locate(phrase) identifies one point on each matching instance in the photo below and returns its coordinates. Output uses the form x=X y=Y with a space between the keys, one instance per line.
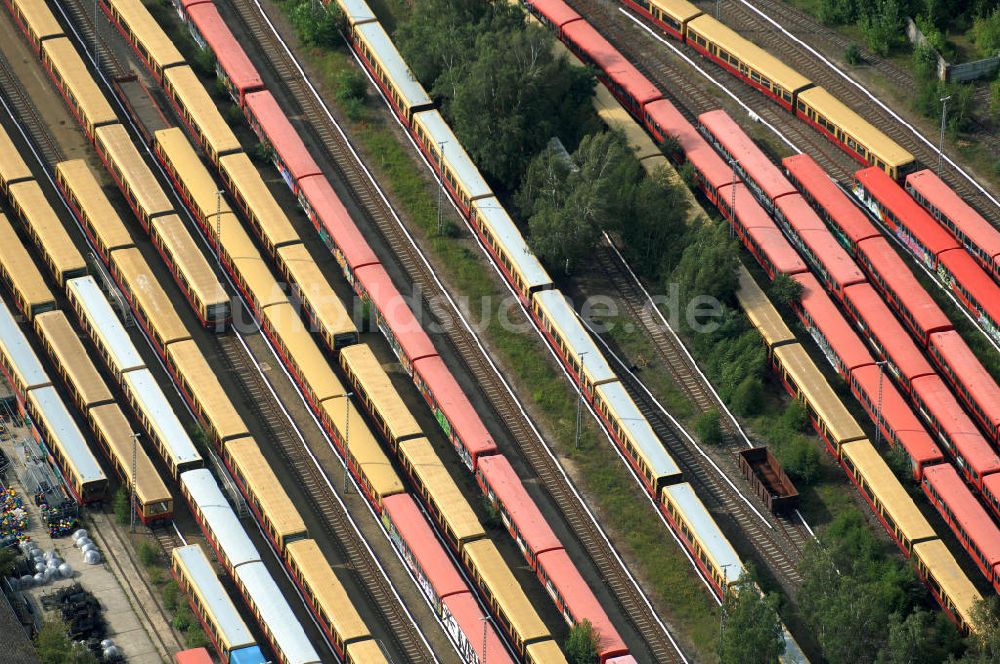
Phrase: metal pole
x=218 y=226
x=878 y=412
x=717 y=3
x=485 y=620
x=579 y=403
x=347 y=438
x=944 y=116
x=440 y=224
x=135 y=442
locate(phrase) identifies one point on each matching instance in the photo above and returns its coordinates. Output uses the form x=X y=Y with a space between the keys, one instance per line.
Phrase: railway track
x=26 y=111
x=612 y=570
x=657 y=62
x=749 y=23
x=778 y=542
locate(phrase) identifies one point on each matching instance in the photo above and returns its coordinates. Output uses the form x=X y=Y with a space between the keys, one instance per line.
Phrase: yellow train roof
x=330 y=594
x=74 y=74
x=94 y=204
x=46 y=225
x=263 y=484
x=368 y=454
x=301 y=347
x=38 y=17
x=316 y=290
x=948 y=574
x=200 y=274
x=746 y=51
x=150 y=197
x=860 y=130
x=761 y=311
x=150 y=487
x=201 y=186
x=12 y=167
x=201 y=109
x=142 y=24
x=216 y=405
x=20 y=268
x=73 y=357
x=274 y=223
x=682 y=10
x=438 y=484
x=158 y=308
x=368 y=371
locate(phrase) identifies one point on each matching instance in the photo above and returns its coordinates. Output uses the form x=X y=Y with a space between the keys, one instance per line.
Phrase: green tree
x=581 y=644
x=171 y=595
x=708 y=427
x=53 y=646
x=708 y=266
x=852 y=54
x=924 y=63
x=122 y=506
x=149 y=554
x=747 y=398
x=785 y=291
x=837 y=12
x=986 y=33
x=654 y=235
x=795 y=416
x=984 y=643
x=316 y=24
x=995 y=100
x=801 y=460
x=881 y=25
x=914 y=640
x=751 y=628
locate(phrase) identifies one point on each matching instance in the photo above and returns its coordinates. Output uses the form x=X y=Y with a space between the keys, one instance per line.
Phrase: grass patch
x=602 y=474
x=157 y=565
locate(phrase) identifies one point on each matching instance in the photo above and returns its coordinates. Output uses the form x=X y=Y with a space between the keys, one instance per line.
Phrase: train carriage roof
x=435 y=565
x=315 y=371
x=373 y=35
x=615 y=116
x=969 y=371
x=799 y=214
x=548 y=651
x=333 y=218
x=282 y=136
x=227 y=49
x=965 y=510
x=761 y=312
x=118 y=431
x=780 y=254
x=562 y=573
x=275 y=224
x=201 y=186
x=946 y=571
x=158 y=411
x=840 y=424
x=512 y=243
x=39 y=18
x=90 y=196
x=73 y=357
x=466 y=611
x=556 y=12
x=636 y=428
x=706 y=530
x=201 y=380
x=924 y=228
x=455 y=405
x=611 y=62
x=356 y=11
x=437 y=132
x=68 y=437
x=233 y=632
x=974 y=279
x=882 y=482
x=698 y=152
x=563 y=319
x=678 y=9
x=838 y=205
x=47 y=226
x=326 y=306
x=143 y=186
x=451 y=503
x=198 y=271
x=201 y=109
x=102 y=319
x=152 y=299
x=766 y=64
x=21 y=269
x=748 y=156
x=327 y=590
x=843 y=340
x=888 y=331
x=219 y=518
x=896 y=412
x=141 y=23
x=947 y=201
x=12 y=166
x=860 y=129
x=395 y=309
x=511 y=492
x=366 y=450
x=507 y=592
x=375 y=382
x=945 y=410
x=74 y=74
x=274 y=611
x=900 y=280
x=749 y=212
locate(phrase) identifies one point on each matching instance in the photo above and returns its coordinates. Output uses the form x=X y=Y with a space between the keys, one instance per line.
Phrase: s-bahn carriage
x=375 y=390
x=366 y=652
x=217 y=519
x=255 y=201
x=390 y=71
x=31 y=295
x=153 y=500
x=153 y=309
x=301 y=354
x=453 y=410
x=47 y=232
x=762 y=314
x=504 y=240
x=265 y=495
x=72 y=361
x=199 y=112
x=281 y=140
x=671 y=15
x=203 y=392
x=948 y=583
x=77 y=86
x=166 y=432
x=20 y=365
x=447 y=156
x=141 y=189
x=745 y=59
x=102 y=325
x=87 y=200
x=36 y=20
x=713 y=553
x=12 y=166
x=325 y=595
x=973 y=287
x=232 y=66
x=215 y=610
x=969 y=378
x=147 y=38
x=57 y=431
x=553 y=13
x=829 y=328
